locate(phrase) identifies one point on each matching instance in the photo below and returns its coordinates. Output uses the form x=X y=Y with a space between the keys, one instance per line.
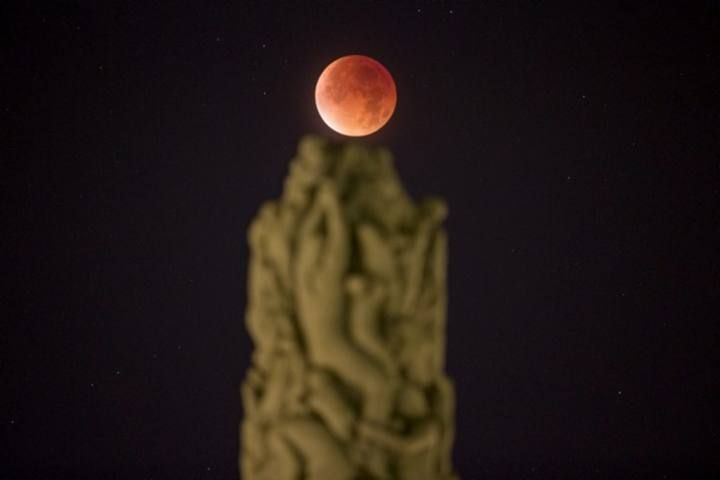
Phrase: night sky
x=578 y=148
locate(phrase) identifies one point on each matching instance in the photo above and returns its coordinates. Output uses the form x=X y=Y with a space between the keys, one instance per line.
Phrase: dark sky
x=578 y=148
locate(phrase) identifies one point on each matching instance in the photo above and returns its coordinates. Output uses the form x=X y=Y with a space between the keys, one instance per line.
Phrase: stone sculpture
x=347 y=311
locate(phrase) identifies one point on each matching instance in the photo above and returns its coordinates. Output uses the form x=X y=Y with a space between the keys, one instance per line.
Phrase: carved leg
x=417 y=255
x=358 y=370
x=283 y=463
x=326 y=401
x=366 y=298
x=323 y=457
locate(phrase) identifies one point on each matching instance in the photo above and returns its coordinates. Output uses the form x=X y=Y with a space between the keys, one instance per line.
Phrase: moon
x=355 y=95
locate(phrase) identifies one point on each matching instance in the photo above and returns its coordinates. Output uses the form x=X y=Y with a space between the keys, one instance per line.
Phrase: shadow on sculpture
x=347 y=311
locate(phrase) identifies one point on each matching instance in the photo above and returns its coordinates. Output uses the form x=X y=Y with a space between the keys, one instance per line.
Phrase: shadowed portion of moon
x=355 y=95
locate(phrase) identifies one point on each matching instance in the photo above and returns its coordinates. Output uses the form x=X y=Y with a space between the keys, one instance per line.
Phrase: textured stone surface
x=347 y=311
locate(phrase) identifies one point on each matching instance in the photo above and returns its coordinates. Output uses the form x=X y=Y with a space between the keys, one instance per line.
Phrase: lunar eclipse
x=355 y=95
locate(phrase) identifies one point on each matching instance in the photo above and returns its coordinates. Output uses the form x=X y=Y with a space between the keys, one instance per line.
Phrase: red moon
x=355 y=95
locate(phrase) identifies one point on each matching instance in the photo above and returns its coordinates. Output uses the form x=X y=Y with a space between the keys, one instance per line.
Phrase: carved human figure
x=320 y=271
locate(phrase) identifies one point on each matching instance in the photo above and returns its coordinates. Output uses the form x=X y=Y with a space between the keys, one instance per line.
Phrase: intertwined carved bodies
x=347 y=310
